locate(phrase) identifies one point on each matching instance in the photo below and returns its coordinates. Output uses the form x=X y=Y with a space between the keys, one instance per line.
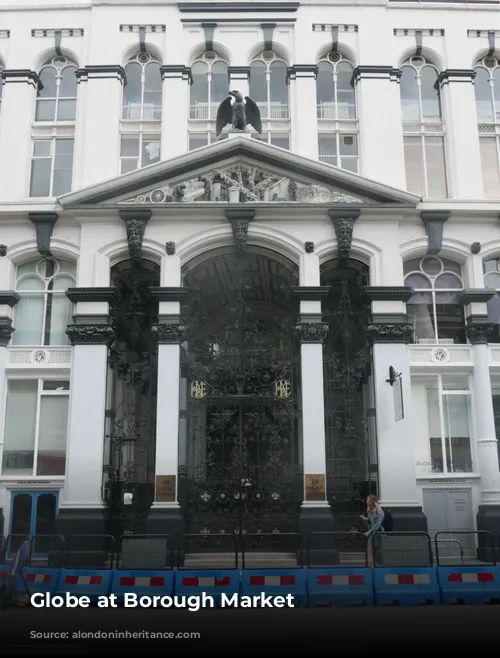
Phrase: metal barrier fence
x=336 y=549
x=464 y=548
x=12 y=545
x=47 y=550
x=290 y=556
x=402 y=549
x=89 y=552
x=210 y=551
x=145 y=552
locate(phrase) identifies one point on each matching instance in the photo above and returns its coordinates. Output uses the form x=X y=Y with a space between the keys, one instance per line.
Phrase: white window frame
x=432 y=290
x=331 y=123
x=43 y=293
x=203 y=115
x=40 y=393
x=141 y=136
x=470 y=414
x=139 y=126
x=59 y=64
x=490 y=129
x=273 y=125
x=426 y=128
x=52 y=158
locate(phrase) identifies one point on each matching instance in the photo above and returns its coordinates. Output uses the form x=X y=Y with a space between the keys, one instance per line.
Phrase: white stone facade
x=416 y=175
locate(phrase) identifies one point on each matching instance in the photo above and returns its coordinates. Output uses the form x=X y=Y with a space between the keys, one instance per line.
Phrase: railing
x=336 y=549
x=292 y=554
x=402 y=549
x=479 y=546
x=145 y=552
x=191 y=545
x=141 y=112
x=336 y=111
x=208 y=111
x=450 y=541
x=89 y=552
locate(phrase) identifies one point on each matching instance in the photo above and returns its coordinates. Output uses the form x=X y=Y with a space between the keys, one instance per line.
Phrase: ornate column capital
x=312 y=332
x=168 y=333
x=390 y=333
x=135 y=222
x=343 y=223
x=6 y=331
x=90 y=334
x=478 y=333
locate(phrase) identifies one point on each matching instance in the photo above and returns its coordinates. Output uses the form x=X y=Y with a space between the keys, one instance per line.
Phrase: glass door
x=33 y=513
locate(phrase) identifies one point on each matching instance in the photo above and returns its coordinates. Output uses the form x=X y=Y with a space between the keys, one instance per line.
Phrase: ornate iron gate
x=350 y=435
x=129 y=465
x=242 y=461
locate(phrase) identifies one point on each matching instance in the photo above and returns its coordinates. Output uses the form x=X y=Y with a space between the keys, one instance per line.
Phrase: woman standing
x=375 y=520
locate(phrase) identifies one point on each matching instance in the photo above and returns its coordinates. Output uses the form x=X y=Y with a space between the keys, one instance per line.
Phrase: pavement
x=63 y=630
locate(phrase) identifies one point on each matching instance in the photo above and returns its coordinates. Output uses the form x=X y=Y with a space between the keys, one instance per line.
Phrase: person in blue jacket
x=375 y=521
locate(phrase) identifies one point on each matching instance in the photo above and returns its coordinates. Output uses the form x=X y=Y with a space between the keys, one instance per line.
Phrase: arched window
x=337 y=118
x=491 y=269
x=269 y=89
x=487 y=89
x=52 y=155
x=434 y=308
x=423 y=129
x=43 y=311
x=141 y=114
x=210 y=86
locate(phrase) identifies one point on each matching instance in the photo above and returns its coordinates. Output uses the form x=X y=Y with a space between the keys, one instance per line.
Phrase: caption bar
x=191 y=603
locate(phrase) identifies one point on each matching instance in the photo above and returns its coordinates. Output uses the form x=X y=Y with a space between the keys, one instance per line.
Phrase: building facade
x=249 y=333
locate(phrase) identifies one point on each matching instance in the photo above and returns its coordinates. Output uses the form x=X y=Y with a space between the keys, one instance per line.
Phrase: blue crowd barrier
x=340 y=587
x=143 y=583
x=214 y=583
x=404 y=586
x=275 y=582
x=85 y=582
x=469 y=585
x=38 y=579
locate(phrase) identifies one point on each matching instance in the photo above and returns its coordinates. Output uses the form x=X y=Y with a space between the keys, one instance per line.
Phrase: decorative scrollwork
x=312 y=332
x=6 y=331
x=169 y=332
x=479 y=334
x=390 y=333
x=90 y=334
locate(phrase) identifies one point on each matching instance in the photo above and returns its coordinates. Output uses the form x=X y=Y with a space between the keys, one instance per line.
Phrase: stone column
x=464 y=160
x=82 y=509
x=315 y=514
x=103 y=100
x=304 y=117
x=165 y=515
x=488 y=516
x=18 y=109
x=175 y=111
x=380 y=127
x=389 y=335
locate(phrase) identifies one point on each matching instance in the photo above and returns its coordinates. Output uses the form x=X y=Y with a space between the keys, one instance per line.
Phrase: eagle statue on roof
x=240 y=113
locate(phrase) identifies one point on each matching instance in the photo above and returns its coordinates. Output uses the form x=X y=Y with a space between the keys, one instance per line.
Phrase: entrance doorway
x=240 y=454
x=33 y=513
x=449 y=511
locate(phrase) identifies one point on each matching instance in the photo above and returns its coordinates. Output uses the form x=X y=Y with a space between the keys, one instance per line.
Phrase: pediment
x=239 y=170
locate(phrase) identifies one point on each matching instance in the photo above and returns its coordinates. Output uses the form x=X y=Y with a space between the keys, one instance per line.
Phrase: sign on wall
x=165 y=489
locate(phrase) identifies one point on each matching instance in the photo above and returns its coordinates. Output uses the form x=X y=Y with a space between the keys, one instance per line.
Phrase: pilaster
x=304 y=118
x=380 y=128
x=175 y=112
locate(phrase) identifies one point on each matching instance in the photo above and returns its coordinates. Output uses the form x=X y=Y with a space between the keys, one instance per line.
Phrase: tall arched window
x=52 y=155
x=337 y=118
x=43 y=311
x=487 y=89
x=141 y=113
x=269 y=89
x=434 y=308
x=423 y=129
x=210 y=86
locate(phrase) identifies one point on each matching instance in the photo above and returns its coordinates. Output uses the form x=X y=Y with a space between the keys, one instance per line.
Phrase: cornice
x=163 y=294
x=311 y=293
x=388 y=293
x=76 y=295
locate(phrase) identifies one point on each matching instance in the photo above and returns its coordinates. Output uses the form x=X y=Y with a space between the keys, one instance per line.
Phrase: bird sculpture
x=241 y=113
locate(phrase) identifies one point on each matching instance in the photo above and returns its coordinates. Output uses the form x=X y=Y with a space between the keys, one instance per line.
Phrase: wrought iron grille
x=131 y=416
x=242 y=468
x=350 y=435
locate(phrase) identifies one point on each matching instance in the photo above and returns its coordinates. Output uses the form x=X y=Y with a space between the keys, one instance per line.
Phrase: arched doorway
x=130 y=435
x=351 y=451
x=240 y=449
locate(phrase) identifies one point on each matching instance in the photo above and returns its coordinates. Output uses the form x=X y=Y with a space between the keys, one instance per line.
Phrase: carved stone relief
x=241 y=184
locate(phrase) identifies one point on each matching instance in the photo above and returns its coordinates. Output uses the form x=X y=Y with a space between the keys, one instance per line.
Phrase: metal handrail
x=452 y=541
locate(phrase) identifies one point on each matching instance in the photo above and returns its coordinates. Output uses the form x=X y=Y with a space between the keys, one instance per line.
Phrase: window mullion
x=441 y=423
x=424 y=162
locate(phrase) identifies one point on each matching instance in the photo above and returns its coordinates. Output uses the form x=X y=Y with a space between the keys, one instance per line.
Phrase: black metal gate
x=242 y=472
x=349 y=399
x=129 y=464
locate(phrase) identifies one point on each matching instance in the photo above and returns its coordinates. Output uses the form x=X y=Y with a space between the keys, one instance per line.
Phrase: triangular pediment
x=239 y=170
